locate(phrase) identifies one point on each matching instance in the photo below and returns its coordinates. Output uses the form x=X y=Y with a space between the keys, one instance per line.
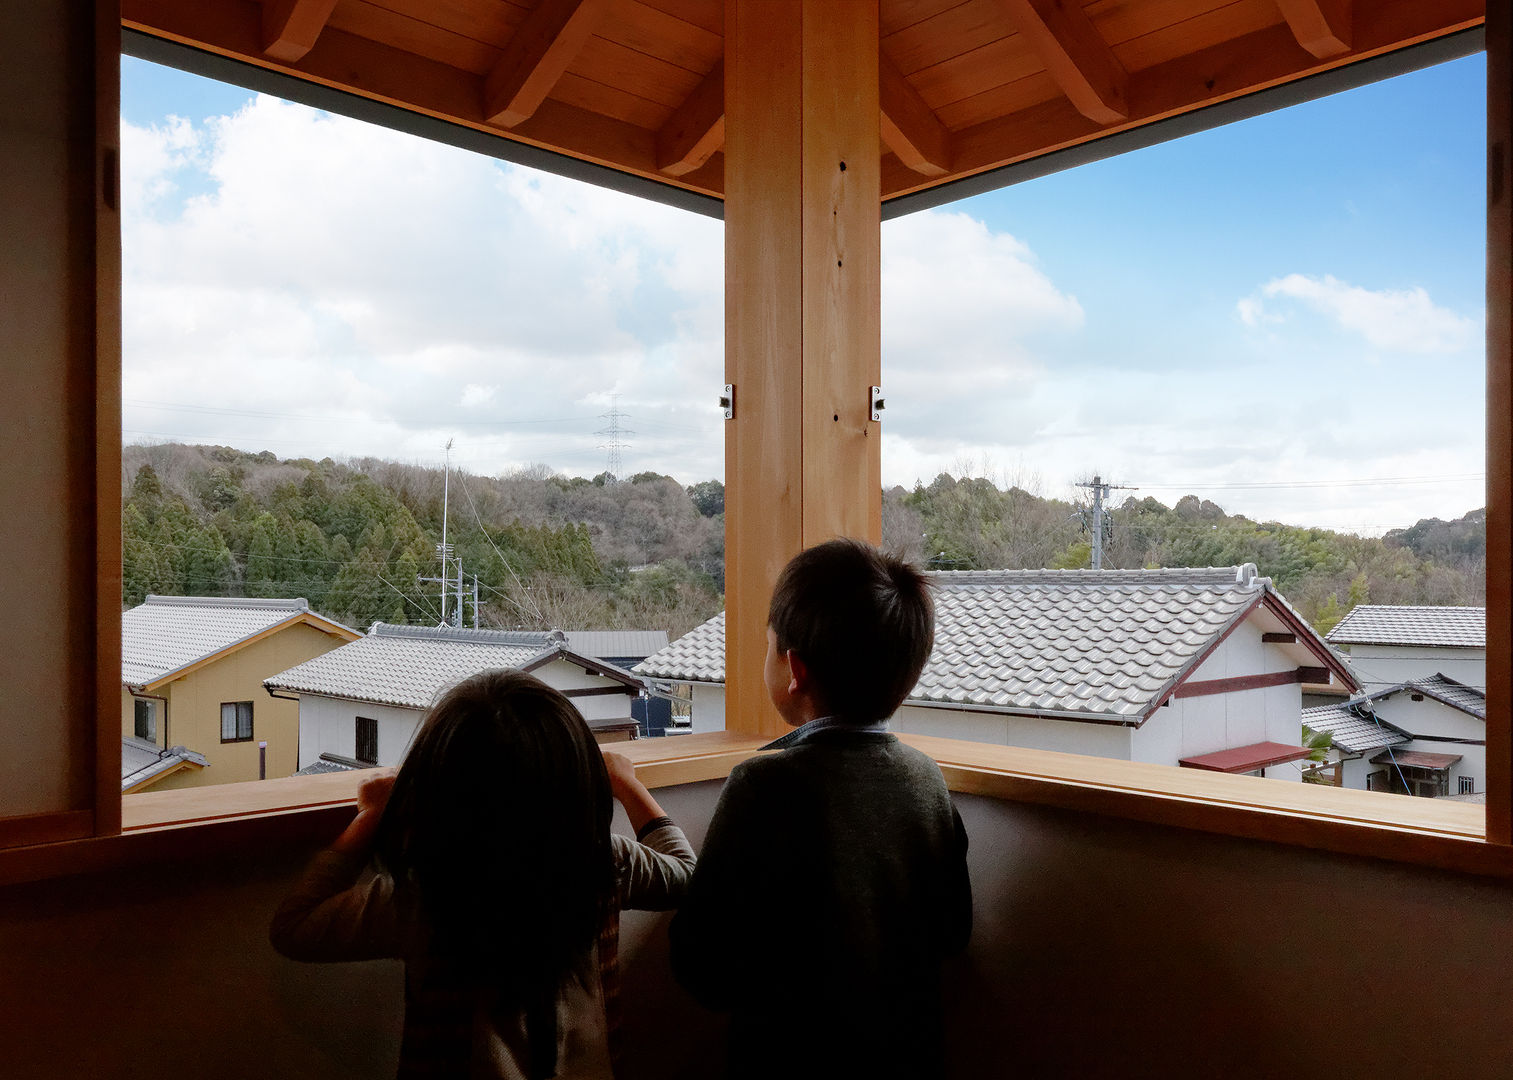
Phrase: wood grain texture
x=763 y=336
x=842 y=273
x=696 y=129
x=536 y=56
x=1256 y=61
x=349 y=62
x=1321 y=26
x=1500 y=423
x=1075 y=55
x=909 y=128
x=290 y=27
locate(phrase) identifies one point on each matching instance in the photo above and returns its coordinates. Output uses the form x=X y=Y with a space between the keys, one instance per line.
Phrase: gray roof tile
x=167 y=633
x=142 y=760
x=1387 y=624
x=409 y=666
x=1103 y=644
x=1353 y=723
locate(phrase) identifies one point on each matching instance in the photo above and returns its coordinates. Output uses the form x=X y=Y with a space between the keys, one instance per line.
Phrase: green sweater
x=831 y=885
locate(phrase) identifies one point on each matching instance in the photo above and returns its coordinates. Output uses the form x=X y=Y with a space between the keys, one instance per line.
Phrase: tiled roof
x=1385 y=624
x=1352 y=726
x=409 y=666
x=1078 y=643
x=616 y=642
x=333 y=763
x=142 y=760
x=167 y=633
x=697 y=656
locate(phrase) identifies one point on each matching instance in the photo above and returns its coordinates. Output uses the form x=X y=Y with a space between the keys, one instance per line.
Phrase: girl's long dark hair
x=499 y=820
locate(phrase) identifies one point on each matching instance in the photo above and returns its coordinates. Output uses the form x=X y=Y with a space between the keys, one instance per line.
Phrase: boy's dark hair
x=498 y=824
x=861 y=620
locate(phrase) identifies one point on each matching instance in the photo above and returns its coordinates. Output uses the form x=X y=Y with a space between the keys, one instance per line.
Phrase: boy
x=833 y=880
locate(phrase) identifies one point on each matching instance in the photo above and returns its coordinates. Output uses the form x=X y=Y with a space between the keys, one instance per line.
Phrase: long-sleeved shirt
x=830 y=887
x=342 y=909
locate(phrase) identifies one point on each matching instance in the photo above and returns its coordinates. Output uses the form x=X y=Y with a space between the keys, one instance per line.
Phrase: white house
x=1197 y=667
x=1389 y=644
x=360 y=704
x=1425 y=736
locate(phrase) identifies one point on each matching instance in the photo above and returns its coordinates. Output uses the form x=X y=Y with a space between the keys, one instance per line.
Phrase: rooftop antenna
x=613 y=433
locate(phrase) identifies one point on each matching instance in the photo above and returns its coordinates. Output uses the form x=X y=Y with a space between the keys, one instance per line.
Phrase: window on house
x=367 y=740
x=236 y=721
x=146 y=723
x=1468 y=785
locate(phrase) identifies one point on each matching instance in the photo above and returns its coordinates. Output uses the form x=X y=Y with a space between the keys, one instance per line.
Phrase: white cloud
x=296 y=264
x=963 y=310
x=1399 y=320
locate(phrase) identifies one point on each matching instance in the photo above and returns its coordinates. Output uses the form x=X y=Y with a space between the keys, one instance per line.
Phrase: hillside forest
x=354 y=537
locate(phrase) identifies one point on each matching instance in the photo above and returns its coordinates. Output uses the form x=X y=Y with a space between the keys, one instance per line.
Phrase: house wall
x=708 y=712
x=329 y=726
x=194 y=709
x=1068 y=736
x=1430 y=717
x=1100 y=949
x=1377 y=666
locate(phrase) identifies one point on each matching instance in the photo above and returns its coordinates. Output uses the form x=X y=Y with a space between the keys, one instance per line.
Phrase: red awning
x=1415 y=759
x=1243 y=759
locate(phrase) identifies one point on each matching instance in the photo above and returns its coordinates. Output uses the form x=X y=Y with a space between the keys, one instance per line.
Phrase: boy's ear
x=798 y=674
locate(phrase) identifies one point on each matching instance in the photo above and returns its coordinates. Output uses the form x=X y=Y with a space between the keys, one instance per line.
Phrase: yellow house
x=193 y=708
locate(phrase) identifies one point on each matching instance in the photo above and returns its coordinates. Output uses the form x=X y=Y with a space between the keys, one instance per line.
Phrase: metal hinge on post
x=877 y=403
x=727 y=401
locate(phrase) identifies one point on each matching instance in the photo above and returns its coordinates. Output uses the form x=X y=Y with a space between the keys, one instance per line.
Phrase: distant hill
x=970 y=523
x=551 y=550
x=354 y=536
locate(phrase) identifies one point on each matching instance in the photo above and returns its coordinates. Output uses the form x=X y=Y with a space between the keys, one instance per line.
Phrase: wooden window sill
x=204 y=821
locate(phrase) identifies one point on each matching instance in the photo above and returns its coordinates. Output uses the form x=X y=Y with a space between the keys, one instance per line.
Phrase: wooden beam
x=1075 y=55
x=344 y=61
x=909 y=126
x=696 y=129
x=1500 y=423
x=290 y=27
x=802 y=304
x=1321 y=26
x=1256 y=61
x=1250 y=682
x=536 y=56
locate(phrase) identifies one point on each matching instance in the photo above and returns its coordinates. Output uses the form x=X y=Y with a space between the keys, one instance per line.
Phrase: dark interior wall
x=1101 y=949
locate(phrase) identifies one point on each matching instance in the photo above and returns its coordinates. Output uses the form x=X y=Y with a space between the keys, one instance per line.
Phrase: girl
x=494 y=876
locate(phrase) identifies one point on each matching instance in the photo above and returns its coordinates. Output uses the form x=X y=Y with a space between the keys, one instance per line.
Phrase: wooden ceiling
x=966 y=86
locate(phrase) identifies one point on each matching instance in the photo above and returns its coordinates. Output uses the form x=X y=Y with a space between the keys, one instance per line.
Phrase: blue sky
x=1267 y=314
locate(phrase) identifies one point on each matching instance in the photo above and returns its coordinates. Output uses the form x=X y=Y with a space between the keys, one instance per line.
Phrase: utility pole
x=444 y=550
x=1100 y=492
x=475 y=601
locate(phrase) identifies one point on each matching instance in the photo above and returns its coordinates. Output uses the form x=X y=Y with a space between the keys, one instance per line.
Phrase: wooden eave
x=970 y=87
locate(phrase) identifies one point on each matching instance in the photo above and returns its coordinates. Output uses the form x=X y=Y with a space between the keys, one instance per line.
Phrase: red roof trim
x=1310 y=640
x=1243 y=759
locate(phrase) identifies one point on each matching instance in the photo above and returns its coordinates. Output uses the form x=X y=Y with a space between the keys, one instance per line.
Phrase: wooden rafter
x=536 y=56
x=696 y=129
x=1075 y=55
x=1321 y=26
x=1263 y=58
x=909 y=127
x=384 y=73
x=290 y=27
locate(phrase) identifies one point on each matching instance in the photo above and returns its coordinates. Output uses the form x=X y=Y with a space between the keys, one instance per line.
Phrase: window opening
x=236 y=721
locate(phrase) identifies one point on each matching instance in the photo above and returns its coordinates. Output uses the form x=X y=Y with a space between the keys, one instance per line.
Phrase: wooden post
x=1499 y=423
x=802 y=303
